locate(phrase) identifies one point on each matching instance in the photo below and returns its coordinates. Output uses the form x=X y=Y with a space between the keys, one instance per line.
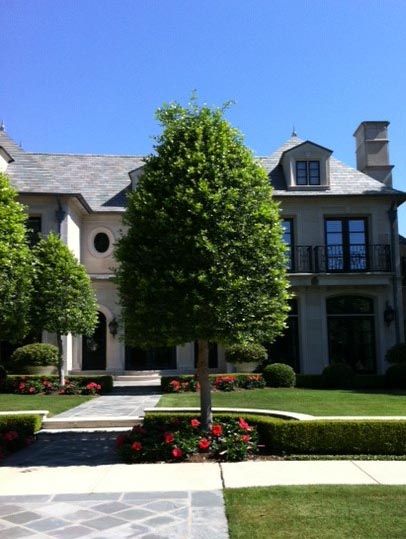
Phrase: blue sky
x=87 y=75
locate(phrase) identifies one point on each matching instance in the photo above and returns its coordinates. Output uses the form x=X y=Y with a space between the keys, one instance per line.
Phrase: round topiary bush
x=396 y=376
x=34 y=355
x=245 y=353
x=396 y=354
x=338 y=375
x=279 y=375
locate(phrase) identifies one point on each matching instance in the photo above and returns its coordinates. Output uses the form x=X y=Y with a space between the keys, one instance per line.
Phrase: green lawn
x=317 y=512
x=308 y=401
x=54 y=403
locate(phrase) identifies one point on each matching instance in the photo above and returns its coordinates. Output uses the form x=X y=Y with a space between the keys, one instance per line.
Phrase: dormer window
x=307 y=172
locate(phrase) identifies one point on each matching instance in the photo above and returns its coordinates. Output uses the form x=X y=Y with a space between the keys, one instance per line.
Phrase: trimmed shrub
x=335 y=437
x=246 y=353
x=396 y=354
x=34 y=355
x=369 y=381
x=32 y=384
x=396 y=376
x=188 y=382
x=338 y=375
x=279 y=375
x=17 y=432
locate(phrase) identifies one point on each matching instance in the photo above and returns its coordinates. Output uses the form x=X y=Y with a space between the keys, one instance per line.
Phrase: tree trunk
x=61 y=371
x=206 y=416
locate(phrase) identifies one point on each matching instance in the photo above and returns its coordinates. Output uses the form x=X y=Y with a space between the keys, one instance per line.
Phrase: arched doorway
x=351 y=332
x=94 y=347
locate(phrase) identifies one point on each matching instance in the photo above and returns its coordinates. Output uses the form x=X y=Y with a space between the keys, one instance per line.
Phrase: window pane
x=301 y=166
x=33 y=230
x=333 y=226
x=334 y=239
x=357 y=238
x=356 y=225
x=350 y=305
x=101 y=242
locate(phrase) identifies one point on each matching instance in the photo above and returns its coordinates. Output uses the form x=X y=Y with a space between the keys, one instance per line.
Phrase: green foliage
x=396 y=354
x=3 y=375
x=13 y=382
x=188 y=382
x=338 y=375
x=15 y=265
x=358 y=381
x=334 y=437
x=396 y=376
x=313 y=381
x=63 y=298
x=17 y=432
x=35 y=354
x=177 y=437
x=279 y=375
x=246 y=352
x=203 y=256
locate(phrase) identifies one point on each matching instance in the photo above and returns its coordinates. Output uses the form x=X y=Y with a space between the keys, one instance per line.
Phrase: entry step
x=63 y=423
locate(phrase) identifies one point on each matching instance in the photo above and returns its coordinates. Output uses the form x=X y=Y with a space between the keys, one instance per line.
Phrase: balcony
x=355 y=258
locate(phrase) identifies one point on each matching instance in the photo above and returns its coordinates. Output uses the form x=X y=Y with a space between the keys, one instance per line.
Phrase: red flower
x=245 y=438
x=32 y=390
x=177 y=453
x=195 y=423
x=175 y=385
x=244 y=425
x=204 y=444
x=121 y=440
x=21 y=386
x=137 y=446
x=217 y=430
x=169 y=438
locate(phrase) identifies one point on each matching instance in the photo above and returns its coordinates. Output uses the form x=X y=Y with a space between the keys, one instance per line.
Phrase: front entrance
x=137 y=359
x=351 y=332
x=94 y=347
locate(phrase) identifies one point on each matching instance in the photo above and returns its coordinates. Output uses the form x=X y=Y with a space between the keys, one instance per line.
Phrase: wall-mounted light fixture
x=388 y=314
x=113 y=327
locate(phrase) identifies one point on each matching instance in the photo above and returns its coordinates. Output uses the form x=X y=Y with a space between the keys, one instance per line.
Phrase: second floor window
x=33 y=230
x=346 y=244
x=287 y=225
x=307 y=172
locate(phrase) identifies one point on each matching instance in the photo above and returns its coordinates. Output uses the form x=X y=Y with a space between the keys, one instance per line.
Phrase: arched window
x=351 y=332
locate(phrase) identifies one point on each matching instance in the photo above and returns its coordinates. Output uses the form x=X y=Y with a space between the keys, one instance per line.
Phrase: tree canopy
x=203 y=256
x=63 y=298
x=15 y=265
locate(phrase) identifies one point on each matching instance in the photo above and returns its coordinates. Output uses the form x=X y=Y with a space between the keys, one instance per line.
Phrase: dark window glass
x=307 y=172
x=351 y=332
x=346 y=244
x=287 y=226
x=137 y=359
x=33 y=230
x=213 y=355
x=101 y=242
x=285 y=349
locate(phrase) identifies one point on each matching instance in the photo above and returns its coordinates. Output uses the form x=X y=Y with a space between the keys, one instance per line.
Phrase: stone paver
x=159 y=515
x=123 y=401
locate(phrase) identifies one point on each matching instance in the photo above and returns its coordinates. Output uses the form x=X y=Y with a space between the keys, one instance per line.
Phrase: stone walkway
x=123 y=401
x=151 y=515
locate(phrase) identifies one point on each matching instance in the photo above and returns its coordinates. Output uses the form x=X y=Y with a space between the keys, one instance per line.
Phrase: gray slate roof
x=344 y=180
x=103 y=180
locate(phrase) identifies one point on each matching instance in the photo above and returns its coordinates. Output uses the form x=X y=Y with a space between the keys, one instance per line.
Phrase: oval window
x=101 y=242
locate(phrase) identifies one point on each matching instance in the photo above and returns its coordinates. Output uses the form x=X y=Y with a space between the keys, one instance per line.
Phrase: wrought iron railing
x=355 y=258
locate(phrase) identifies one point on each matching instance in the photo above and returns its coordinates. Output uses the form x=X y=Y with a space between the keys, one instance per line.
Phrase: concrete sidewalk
x=196 y=476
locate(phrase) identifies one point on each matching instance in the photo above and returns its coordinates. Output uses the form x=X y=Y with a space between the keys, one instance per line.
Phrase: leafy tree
x=203 y=257
x=63 y=298
x=15 y=265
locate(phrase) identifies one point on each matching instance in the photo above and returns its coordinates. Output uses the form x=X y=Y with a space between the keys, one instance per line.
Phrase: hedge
x=105 y=381
x=16 y=432
x=241 y=380
x=340 y=437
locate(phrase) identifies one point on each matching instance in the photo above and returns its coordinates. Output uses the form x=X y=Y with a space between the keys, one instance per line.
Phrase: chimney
x=371 y=139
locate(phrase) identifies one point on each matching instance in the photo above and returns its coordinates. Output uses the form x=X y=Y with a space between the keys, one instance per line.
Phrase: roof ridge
x=59 y=154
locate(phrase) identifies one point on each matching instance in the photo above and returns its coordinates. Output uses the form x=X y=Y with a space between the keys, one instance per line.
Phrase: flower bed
x=17 y=432
x=174 y=439
x=32 y=385
x=219 y=382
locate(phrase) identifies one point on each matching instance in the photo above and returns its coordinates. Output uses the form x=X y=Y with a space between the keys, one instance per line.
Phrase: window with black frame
x=33 y=225
x=213 y=355
x=288 y=239
x=307 y=172
x=351 y=332
x=346 y=244
x=285 y=348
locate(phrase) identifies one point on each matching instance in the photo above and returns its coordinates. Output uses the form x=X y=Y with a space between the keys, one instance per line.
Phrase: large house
x=340 y=225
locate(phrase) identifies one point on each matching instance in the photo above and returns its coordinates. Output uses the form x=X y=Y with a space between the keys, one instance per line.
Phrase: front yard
x=309 y=401
x=56 y=404
x=316 y=512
